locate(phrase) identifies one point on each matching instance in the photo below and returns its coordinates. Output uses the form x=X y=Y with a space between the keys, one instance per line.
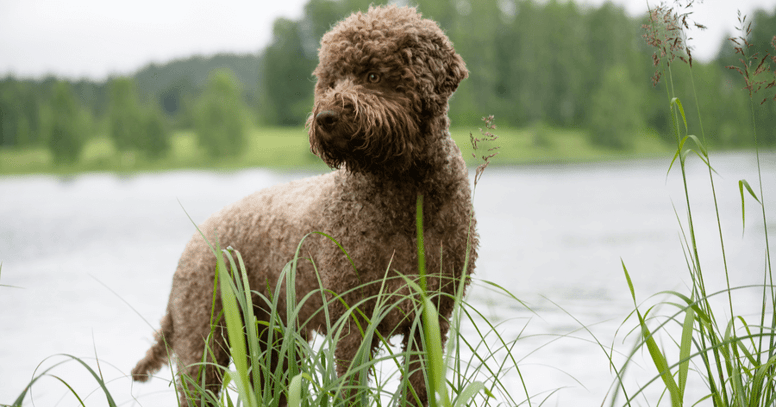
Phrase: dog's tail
x=158 y=354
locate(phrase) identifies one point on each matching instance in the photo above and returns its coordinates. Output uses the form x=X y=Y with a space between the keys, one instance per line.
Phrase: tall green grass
x=305 y=373
x=469 y=371
x=734 y=358
x=307 y=376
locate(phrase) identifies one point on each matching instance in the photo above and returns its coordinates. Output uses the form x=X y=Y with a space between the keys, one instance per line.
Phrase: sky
x=95 y=39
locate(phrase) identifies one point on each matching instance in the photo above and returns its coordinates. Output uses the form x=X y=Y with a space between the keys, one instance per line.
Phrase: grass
x=734 y=354
x=276 y=147
x=286 y=148
x=310 y=378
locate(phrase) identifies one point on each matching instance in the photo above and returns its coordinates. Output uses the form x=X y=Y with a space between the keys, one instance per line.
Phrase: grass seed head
x=754 y=68
x=486 y=136
x=665 y=31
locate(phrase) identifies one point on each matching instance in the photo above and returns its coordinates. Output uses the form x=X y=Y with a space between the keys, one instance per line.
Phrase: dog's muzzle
x=332 y=131
x=327 y=120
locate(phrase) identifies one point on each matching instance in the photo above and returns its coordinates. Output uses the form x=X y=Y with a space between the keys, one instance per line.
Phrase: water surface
x=91 y=258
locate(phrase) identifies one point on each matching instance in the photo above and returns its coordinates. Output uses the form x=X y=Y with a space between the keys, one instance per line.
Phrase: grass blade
x=295 y=390
x=684 y=349
x=654 y=351
x=234 y=328
x=469 y=392
x=678 y=103
x=436 y=365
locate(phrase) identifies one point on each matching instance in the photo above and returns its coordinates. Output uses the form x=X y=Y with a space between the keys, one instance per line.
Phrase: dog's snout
x=327 y=119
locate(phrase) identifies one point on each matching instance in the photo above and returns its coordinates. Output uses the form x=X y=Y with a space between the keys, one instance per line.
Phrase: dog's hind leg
x=414 y=363
x=198 y=383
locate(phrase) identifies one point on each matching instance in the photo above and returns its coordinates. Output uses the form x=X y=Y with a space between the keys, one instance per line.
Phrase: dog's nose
x=327 y=119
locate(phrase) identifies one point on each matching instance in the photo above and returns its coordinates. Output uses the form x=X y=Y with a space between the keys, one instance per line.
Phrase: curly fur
x=380 y=119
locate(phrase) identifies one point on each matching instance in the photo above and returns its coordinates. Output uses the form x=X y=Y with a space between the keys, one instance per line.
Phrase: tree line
x=552 y=63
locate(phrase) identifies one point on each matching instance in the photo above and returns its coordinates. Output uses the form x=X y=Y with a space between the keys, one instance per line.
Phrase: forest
x=550 y=63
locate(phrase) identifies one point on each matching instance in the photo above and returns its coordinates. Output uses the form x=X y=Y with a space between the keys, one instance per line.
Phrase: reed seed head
x=665 y=31
x=754 y=68
x=486 y=136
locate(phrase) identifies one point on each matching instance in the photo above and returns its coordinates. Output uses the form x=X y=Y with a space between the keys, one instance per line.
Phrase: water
x=91 y=257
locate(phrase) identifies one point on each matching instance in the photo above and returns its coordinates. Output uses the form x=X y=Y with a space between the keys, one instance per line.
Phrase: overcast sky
x=98 y=38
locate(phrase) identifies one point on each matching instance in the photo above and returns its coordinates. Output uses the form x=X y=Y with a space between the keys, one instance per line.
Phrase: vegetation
x=136 y=128
x=306 y=376
x=310 y=378
x=65 y=128
x=220 y=118
x=288 y=148
x=616 y=111
x=734 y=358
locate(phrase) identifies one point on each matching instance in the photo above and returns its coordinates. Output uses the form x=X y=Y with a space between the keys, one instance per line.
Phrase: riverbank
x=285 y=148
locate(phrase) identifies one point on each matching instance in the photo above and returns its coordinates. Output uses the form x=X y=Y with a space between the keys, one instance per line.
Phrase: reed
x=734 y=357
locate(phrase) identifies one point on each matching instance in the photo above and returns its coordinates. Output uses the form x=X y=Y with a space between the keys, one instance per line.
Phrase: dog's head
x=383 y=77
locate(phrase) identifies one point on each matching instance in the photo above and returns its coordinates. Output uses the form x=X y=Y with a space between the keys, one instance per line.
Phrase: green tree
x=287 y=86
x=319 y=17
x=220 y=122
x=125 y=117
x=615 y=110
x=20 y=104
x=65 y=139
x=155 y=136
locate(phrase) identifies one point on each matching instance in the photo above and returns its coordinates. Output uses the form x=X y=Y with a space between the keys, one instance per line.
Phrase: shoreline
x=287 y=149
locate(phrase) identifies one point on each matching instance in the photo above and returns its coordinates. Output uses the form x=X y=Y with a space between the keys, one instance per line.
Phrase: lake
x=90 y=260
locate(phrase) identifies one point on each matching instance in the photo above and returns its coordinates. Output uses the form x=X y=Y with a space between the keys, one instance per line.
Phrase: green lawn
x=288 y=148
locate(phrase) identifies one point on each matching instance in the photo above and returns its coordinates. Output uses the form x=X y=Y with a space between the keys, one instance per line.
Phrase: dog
x=379 y=120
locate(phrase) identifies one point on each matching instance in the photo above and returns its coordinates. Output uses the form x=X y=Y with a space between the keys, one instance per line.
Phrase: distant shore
x=288 y=148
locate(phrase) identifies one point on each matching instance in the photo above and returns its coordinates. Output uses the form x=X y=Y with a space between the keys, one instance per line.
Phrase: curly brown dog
x=379 y=118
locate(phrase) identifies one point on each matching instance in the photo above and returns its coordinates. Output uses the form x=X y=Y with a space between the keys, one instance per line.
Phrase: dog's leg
x=270 y=356
x=412 y=346
x=193 y=374
x=346 y=352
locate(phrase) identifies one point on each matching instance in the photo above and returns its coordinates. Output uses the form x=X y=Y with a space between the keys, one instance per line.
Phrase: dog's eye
x=373 y=77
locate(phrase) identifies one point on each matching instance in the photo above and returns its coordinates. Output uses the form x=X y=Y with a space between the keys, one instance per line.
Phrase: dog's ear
x=443 y=70
x=455 y=72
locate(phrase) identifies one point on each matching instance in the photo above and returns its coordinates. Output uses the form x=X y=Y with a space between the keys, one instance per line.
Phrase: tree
x=220 y=122
x=287 y=96
x=615 y=111
x=19 y=113
x=124 y=117
x=134 y=127
x=65 y=139
x=154 y=137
